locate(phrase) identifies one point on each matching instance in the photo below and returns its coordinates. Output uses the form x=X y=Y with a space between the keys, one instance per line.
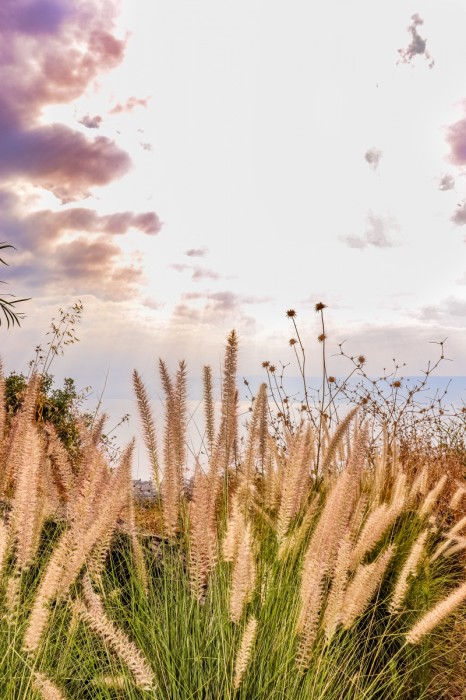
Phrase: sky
x=184 y=169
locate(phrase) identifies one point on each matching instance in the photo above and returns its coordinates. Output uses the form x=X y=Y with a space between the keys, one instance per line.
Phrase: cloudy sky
x=188 y=168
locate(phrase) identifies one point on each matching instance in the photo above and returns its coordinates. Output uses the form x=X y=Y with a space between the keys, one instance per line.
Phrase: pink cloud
x=456 y=138
x=37 y=71
x=61 y=160
x=91 y=122
x=130 y=105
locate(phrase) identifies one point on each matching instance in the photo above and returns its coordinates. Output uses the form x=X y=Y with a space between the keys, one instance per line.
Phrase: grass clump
x=313 y=562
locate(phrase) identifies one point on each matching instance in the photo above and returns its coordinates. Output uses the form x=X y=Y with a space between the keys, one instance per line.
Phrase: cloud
x=449 y=312
x=456 y=138
x=130 y=105
x=50 y=53
x=198 y=273
x=446 y=182
x=459 y=217
x=212 y=307
x=42 y=229
x=61 y=160
x=91 y=122
x=80 y=266
x=73 y=250
x=377 y=234
x=373 y=156
x=196 y=252
x=417 y=45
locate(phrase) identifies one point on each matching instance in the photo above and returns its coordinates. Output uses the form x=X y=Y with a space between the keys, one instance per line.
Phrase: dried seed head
x=321 y=337
x=292 y=341
x=361 y=359
x=291 y=313
x=320 y=306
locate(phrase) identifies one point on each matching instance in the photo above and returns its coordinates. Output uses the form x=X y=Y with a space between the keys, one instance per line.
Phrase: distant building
x=144 y=489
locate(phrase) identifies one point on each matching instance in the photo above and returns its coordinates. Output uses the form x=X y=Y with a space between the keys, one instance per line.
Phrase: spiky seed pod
x=337 y=590
x=243 y=576
x=295 y=480
x=233 y=533
x=243 y=657
x=61 y=469
x=92 y=522
x=27 y=511
x=203 y=535
x=93 y=613
x=46 y=687
x=373 y=530
x=409 y=569
x=334 y=444
x=433 y=496
x=229 y=420
x=171 y=485
x=457 y=497
x=209 y=408
x=148 y=427
x=361 y=589
x=434 y=617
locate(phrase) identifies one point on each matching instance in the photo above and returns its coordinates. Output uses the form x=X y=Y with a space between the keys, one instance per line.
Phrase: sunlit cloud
x=130 y=105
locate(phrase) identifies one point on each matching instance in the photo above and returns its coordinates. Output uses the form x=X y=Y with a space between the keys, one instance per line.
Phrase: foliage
x=60 y=407
x=7 y=307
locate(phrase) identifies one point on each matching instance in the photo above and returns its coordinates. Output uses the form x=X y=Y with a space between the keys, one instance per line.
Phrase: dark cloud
x=417 y=45
x=130 y=105
x=196 y=252
x=61 y=160
x=446 y=182
x=377 y=234
x=35 y=17
x=373 y=156
x=91 y=122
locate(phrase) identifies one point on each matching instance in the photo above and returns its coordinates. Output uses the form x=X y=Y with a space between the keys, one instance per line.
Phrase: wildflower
x=292 y=341
x=361 y=359
x=291 y=313
x=320 y=306
x=321 y=337
x=331 y=380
